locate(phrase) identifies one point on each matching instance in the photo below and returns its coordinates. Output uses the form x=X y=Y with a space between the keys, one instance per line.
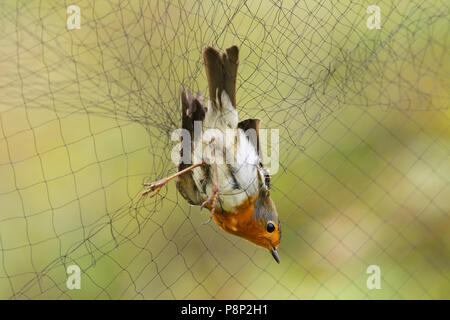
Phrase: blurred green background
x=86 y=117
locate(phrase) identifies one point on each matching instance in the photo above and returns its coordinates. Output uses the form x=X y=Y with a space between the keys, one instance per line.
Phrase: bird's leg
x=155 y=187
x=214 y=197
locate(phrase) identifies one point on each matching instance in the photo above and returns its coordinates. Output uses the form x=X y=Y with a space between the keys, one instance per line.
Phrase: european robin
x=230 y=180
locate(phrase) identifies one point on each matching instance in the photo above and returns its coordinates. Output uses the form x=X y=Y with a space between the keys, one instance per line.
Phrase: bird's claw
x=153 y=188
x=156 y=186
x=212 y=200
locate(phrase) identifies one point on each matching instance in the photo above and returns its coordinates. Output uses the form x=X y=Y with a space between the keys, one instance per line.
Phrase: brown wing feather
x=192 y=109
x=254 y=124
x=221 y=72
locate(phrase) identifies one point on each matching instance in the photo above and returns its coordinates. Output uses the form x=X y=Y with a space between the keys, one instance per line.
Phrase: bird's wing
x=249 y=124
x=221 y=71
x=253 y=124
x=192 y=109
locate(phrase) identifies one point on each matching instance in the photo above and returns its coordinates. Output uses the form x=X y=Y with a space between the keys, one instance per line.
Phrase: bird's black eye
x=270 y=227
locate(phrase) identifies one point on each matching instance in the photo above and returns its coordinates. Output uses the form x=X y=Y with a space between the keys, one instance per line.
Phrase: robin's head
x=256 y=222
x=267 y=229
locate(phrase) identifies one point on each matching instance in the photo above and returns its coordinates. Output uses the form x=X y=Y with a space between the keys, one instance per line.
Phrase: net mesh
x=86 y=117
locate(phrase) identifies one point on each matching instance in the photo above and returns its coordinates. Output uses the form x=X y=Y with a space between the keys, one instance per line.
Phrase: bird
x=221 y=165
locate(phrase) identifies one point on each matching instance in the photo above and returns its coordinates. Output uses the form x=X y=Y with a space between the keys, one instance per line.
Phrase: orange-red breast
x=236 y=188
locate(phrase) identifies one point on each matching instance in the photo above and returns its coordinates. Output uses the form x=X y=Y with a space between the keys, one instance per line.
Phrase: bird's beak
x=275 y=254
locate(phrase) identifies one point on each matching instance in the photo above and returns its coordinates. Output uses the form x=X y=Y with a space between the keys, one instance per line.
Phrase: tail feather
x=221 y=71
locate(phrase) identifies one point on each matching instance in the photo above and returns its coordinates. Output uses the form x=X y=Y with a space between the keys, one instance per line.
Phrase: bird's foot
x=154 y=187
x=212 y=201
